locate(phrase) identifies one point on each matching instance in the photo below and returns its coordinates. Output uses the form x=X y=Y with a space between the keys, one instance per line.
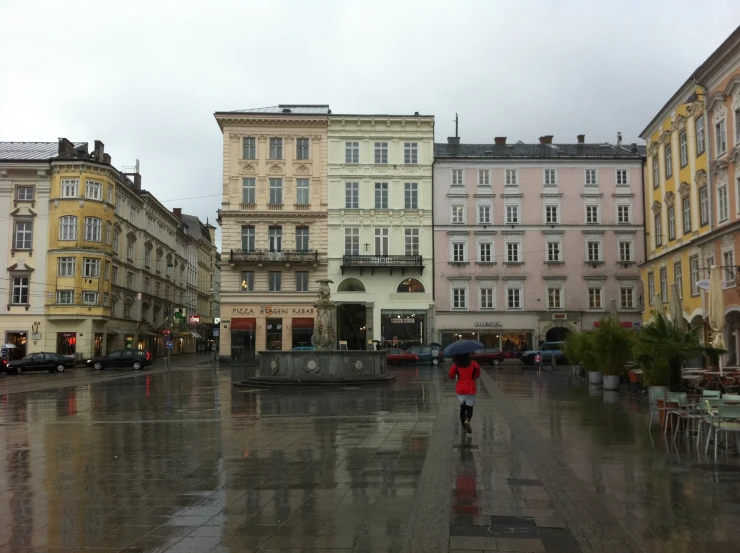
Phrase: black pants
x=466 y=413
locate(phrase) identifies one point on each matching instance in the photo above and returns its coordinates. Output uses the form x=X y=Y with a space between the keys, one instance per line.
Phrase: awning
x=113 y=330
x=148 y=333
x=183 y=334
x=195 y=334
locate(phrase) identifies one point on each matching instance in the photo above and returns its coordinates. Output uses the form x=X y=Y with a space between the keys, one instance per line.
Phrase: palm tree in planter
x=612 y=350
x=578 y=350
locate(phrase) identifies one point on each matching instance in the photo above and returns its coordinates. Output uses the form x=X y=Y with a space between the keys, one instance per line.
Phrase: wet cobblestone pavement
x=184 y=462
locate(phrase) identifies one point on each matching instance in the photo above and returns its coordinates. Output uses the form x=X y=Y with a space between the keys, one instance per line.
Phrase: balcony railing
x=266 y=256
x=391 y=262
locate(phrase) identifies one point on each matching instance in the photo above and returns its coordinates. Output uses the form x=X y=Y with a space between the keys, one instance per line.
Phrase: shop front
x=508 y=332
x=16 y=343
x=402 y=328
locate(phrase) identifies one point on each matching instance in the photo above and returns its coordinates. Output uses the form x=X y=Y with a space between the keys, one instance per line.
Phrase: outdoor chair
x=731 y=397
x=671 y=404
x=726 y=420
x=682 y=411
x=707 y=408
x=710 y=393
x=634 y=385
x=655 y=395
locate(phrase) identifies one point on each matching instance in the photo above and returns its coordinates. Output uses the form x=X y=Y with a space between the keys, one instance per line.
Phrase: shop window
x=302 y=331
x=67 y=343
x=274 y=334
x=351 y=285
x=411 y=285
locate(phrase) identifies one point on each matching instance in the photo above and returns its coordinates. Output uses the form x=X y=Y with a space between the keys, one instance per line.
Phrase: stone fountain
x=325 y=365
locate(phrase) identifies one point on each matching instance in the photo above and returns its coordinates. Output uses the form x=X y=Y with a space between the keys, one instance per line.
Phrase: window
x=651 y=288
x=115 y=241
x=686 y=214
x=302 y=191
x=275 y=239
x=484 y=214
x=658 y=230
x=247 y=238
x=301 y=148
x=410 y=153
x=65 y=266
x=132 y=214
x=550 y=177
x=108 y=233
x=301 y=281
x=623 y=214
x=127 y=310
x=105 y=298
x=274 y=281
x=106 y=270
x=89 y=298
x=625 y=251
x=591 y=177
x=381 y=195
x=19 y=295
x=485 y=252
x=110 y=195
x=147 y=257
x=656 y=178
x=553 y=251
x=411 y=196
x=458 y=214
x=70 y=188
x=458 y=252
x=247 y=281
x=381 y=241
x=671 y=223
x=248 y=148
x=486 y=298
x=737 y=126
x=668 y=162
x=700 y=147
x=594 y=298
x=65 y=296
x=301 y=239
x=551 y=214
x=484 y=177
x=678 y=277
x=511 y=179
x=708 y=264
x=704 y=206
x=457 y=177
x=352 y=152
x=512 y=214
x=381 y=152
x=720 y=132
x=664 y=284
x=513 y=253
x=68 y=227
x=23 y=235
x=249 y=191
x=554 y=298
x=90 y=267
x=627 y=296
x=728 y=260
x=459 y=298
x=694 y=275
x=621 y=177
x=24 y=193
x=351 y=241
x=411 y=241
x=722 y=204
x=514 y=298
x=594 y=250
x=276 y=191
x=276 y=148
x=93 y=190
x=592 y=214
x=130 y=250
x=683 y=147
x=352 y=195
x=93 y=229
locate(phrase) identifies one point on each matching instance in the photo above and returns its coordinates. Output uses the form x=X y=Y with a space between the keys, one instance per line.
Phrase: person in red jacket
x=466 y=371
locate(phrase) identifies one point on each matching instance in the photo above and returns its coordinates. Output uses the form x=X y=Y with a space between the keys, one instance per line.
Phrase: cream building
x=380 y=228
x=273 y=219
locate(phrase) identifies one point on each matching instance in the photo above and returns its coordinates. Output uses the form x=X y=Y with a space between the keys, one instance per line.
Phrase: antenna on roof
x=456 y=121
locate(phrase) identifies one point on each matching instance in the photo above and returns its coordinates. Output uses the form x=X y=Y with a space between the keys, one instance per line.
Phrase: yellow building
x=677 y=201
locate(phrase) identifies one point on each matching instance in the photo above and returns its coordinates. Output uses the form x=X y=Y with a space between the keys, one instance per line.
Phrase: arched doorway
x=557 y=334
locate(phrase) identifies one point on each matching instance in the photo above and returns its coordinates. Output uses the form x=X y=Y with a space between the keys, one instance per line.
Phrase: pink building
x=533 y=241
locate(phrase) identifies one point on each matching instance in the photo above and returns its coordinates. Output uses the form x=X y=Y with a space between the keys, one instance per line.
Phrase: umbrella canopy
x=462 y=346
x=675 y=306
x=716 y=307
x=658 y=303
x=9 y=346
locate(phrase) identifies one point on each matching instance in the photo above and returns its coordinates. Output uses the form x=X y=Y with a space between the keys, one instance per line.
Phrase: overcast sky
x=146 y=76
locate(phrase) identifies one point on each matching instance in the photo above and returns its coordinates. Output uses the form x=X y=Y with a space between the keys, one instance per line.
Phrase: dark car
x=41 y=361
x=427 y=354
x=548 y=351
x=136 y=358
x=488 y=356
x=397 y=356
x=3 y=364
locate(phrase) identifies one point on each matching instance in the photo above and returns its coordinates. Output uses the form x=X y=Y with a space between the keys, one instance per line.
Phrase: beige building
x=274 y=226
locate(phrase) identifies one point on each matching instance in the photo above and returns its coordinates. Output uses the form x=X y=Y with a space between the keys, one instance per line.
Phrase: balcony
x=265 y=256
x=390 y=262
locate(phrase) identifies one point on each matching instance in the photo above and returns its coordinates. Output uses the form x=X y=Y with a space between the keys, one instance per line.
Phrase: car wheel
x=97 y=365
x=137 y=365
x=496 y=362
x=435 y=361
x=60 y=368
x=18 y=370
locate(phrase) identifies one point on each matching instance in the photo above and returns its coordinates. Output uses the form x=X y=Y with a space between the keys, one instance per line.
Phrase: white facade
x=380 y=227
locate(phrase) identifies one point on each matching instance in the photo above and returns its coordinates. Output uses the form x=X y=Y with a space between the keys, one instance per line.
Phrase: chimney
x=634 y=147
x=547 y=139
x=66 y=148
x=581 y=138
x=177 y=211
x=416 y=114
x=137 y=182
x=453 y=140
x=619 y=139
x=500 y=141
x=99 y=150
x=106 y=158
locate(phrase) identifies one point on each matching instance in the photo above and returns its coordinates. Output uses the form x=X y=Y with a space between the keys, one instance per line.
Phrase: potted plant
x=579 y=349
x=612 y=349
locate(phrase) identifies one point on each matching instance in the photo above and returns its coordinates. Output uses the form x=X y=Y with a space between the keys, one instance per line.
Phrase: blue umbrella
x=461 y=347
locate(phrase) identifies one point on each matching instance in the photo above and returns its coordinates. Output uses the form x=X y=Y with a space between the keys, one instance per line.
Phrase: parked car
x=3 y=364
x=303 y=348
x=41 y=361
x=136 y=358
x=488 y=356
x=427 y=354
x=548 y=350
x=397 y=356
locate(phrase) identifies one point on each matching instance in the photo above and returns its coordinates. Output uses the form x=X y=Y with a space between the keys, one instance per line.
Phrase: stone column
x=370 y=330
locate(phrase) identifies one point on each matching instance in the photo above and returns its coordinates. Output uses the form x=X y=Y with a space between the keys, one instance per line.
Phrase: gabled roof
x=196 y=229
x=537 y=151
x=31 y=151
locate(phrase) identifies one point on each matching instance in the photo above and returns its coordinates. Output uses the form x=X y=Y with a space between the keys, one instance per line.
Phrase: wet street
x=181 y=461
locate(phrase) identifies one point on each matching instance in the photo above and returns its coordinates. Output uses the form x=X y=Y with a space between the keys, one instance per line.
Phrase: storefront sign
x=269 y=310
x=559 y=316
x=302 y=322
x=409 y=320
x=488 y=323
x=194 y=319
x=243 y=324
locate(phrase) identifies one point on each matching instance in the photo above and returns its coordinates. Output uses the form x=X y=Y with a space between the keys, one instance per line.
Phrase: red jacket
x=466 y=378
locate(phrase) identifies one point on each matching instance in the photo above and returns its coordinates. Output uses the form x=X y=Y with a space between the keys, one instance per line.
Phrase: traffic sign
x=3 y=351
x=215 y=332
x=168 y=344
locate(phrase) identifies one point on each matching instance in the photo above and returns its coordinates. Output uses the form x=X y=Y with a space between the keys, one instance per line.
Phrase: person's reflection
x=466 y=494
